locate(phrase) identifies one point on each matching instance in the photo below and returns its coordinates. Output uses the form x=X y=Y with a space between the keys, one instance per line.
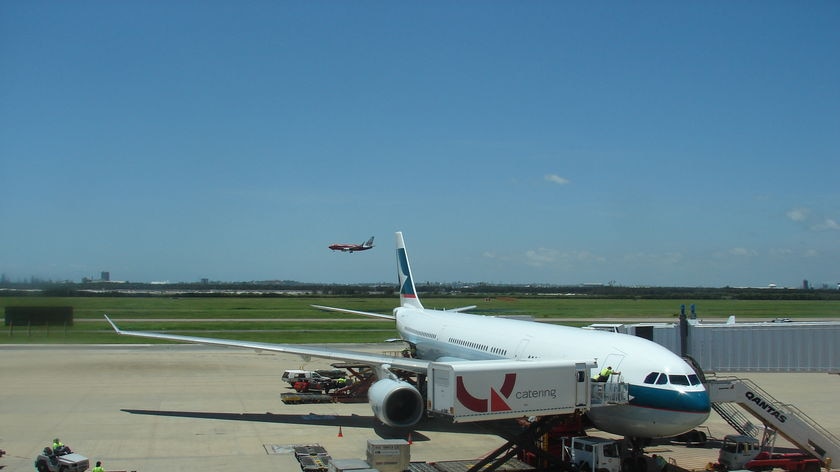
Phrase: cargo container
x=483 y=390
x=348 y=465
x=388 y=455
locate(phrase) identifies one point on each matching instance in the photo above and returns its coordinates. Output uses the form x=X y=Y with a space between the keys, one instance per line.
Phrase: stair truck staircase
x=784 y=419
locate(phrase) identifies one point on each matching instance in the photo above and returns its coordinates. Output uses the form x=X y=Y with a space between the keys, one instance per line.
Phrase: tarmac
x=148 y=408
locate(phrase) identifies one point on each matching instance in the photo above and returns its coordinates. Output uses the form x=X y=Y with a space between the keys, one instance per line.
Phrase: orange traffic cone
x=340 y=434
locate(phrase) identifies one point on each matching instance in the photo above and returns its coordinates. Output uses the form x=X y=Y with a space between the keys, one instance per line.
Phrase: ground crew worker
x=605 y=374
x=51 y=456
x=59 y=448
x=659 y=462
x=98 y=467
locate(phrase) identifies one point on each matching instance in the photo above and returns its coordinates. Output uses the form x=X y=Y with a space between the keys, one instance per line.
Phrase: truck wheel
x=811 y=467
x=63 y=469
x=585 y=467
x=42 y=467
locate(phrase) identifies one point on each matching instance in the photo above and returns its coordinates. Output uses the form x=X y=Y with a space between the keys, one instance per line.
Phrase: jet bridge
x=776 y=417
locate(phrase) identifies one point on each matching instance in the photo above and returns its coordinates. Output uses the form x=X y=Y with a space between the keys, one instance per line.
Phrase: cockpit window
x=678 y=380
x=662 y=379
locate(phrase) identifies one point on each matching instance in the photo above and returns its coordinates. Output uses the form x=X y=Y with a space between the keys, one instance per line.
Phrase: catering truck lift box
x=497 y=389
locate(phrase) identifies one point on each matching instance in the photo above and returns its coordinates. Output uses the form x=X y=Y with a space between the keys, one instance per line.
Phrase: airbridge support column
x=793 y=424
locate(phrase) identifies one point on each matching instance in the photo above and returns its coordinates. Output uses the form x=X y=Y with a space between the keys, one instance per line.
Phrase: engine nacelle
x=396 y=403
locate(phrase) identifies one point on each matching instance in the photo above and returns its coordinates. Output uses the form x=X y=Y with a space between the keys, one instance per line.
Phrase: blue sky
x=645 y=143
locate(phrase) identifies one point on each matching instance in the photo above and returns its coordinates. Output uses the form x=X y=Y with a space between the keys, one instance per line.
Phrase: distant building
x=105 y=277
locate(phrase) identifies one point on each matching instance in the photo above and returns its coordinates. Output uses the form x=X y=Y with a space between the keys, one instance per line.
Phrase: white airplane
x=666 y=396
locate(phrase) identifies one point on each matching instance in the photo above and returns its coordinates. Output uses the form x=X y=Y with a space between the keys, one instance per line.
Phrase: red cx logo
x=480 y=405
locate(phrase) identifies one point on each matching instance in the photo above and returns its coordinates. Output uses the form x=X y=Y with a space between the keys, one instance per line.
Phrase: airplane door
x=613 y=360
x=582 y=389
x=440 y=381
x=520 y=349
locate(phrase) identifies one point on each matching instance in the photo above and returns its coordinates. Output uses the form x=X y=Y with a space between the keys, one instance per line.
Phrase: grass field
x=293 y=320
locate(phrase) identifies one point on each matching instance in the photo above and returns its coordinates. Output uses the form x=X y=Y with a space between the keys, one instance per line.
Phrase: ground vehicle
x=292 y=376
x=591 y=454
x=498 y=389
x=744 y=452
x=63 y=461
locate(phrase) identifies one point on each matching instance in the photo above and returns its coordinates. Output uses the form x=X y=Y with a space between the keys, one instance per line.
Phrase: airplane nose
x=695 y=401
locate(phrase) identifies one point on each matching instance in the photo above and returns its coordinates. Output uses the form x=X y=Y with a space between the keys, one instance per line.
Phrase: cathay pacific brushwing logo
x=406 y=289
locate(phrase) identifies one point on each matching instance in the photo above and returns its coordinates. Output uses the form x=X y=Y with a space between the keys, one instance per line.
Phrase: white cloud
x=667 y=258
x=798 y=214
x=742 y=252
x=541 y=256
x=554 y=178
x=827 y=225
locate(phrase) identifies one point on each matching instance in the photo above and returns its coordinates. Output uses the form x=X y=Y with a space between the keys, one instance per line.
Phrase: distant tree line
x=292 y=288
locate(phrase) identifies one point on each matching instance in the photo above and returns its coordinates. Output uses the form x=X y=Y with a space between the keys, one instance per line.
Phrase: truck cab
x=591 y=454
x=737 y=450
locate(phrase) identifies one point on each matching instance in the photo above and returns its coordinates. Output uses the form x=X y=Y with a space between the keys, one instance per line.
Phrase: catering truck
x=482 y=390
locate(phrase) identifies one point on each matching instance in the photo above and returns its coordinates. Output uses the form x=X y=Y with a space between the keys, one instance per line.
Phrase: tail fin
x=408 y=294
x=369 y=242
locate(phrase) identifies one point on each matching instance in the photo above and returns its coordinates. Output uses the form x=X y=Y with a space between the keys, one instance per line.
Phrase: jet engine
x=395 y=402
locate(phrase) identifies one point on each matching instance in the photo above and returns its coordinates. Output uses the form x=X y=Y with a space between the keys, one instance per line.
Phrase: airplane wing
x=354 y=312
x=374 y=360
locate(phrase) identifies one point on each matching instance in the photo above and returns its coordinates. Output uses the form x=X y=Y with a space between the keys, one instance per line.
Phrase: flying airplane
x=666 y=397
x=353 y=247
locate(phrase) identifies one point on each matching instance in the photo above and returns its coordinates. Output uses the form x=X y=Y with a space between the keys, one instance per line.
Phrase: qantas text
x=766 y=406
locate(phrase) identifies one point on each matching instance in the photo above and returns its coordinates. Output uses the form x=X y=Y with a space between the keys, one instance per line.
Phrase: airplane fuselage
x=676 y=404
x=349 y=247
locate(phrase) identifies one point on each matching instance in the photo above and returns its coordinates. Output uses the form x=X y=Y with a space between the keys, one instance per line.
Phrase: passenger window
x=651 y=377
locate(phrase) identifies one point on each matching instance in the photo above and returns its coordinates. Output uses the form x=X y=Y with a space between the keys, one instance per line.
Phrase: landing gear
x=635 y=461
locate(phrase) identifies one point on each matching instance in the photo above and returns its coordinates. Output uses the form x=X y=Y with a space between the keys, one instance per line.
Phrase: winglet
x=113 y=325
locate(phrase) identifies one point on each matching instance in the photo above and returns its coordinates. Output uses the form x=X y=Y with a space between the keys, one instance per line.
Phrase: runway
x=197 y=408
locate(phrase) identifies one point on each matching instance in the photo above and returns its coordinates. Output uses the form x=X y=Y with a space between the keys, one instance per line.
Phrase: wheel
x=585 y=467
x=42 y=467
x=811 y=467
